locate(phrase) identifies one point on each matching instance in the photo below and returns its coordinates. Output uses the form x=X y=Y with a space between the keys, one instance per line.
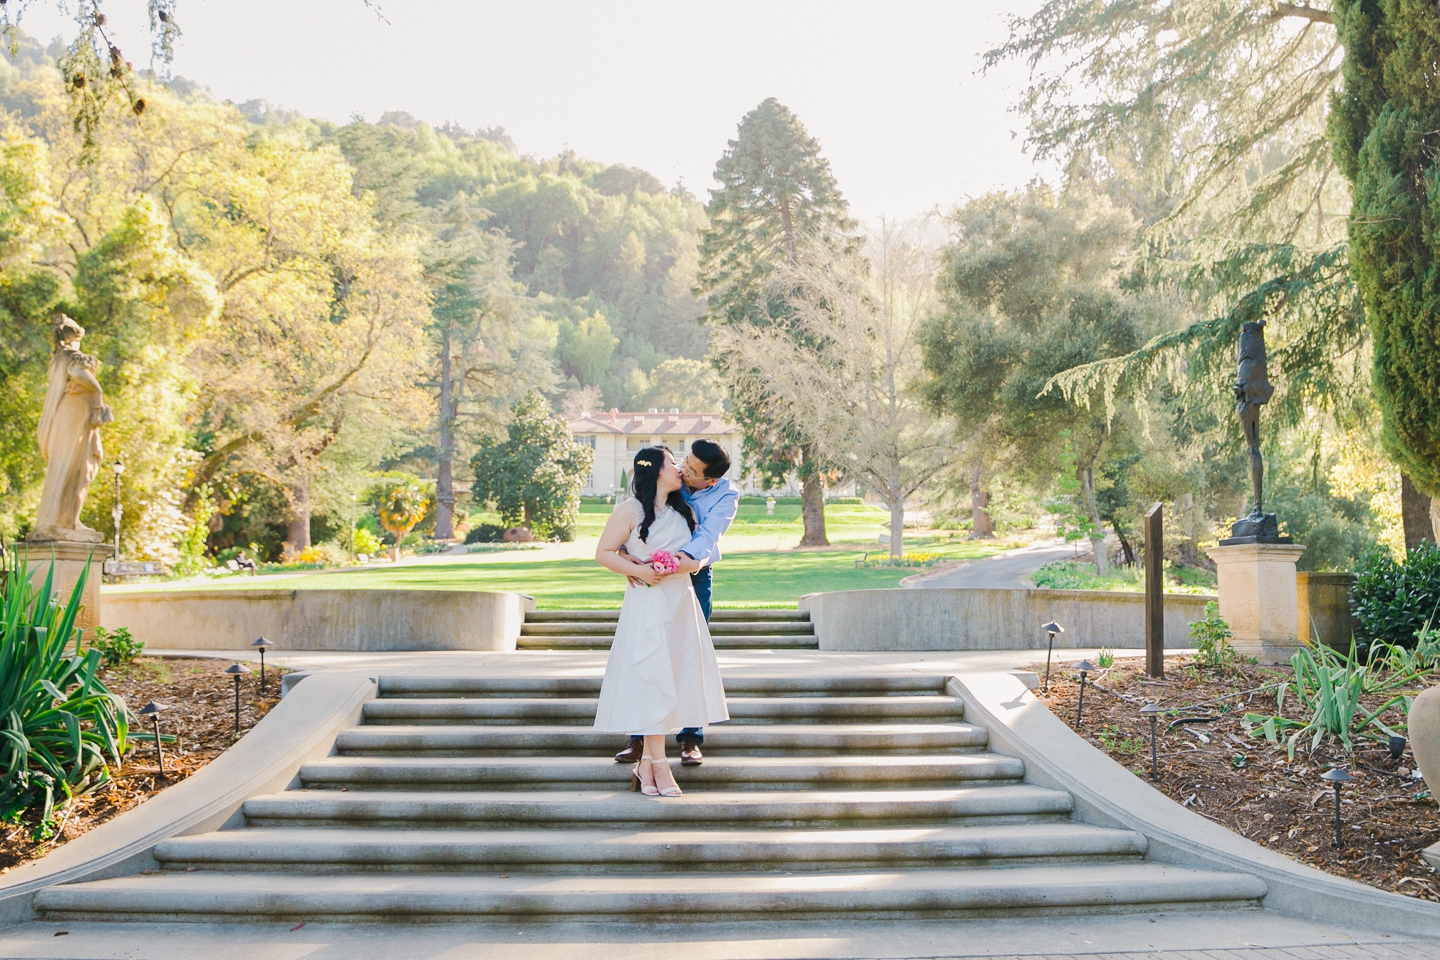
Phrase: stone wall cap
x=1237 y=551
x=62 y=549
x=1307 y=576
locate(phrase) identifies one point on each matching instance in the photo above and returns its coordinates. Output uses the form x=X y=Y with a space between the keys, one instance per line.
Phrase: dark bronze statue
x=1252 y=391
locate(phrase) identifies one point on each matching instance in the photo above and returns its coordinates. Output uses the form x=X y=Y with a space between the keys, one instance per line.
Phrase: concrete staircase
x=825 y=798
x=730 y=630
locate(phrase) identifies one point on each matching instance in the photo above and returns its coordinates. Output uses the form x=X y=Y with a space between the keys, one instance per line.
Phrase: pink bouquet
x=664 y=561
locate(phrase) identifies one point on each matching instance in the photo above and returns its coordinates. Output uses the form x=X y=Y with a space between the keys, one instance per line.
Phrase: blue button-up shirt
x=715 y=508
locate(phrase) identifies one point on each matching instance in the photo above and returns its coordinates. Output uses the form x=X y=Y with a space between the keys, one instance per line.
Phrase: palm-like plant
x=59 y=724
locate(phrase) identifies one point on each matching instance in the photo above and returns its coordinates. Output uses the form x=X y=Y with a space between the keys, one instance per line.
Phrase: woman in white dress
x=662 y=675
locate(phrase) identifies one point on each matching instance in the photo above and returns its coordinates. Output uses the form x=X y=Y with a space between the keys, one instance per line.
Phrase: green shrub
x=1392 y=601
x=58 y=723
x=486 y=533
x=116 y=649
x=849 y=500
x=367 y=542
x=1211 y=637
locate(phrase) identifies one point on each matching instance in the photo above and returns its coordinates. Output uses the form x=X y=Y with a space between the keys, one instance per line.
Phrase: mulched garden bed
x=200 y=712
x=1245 y=784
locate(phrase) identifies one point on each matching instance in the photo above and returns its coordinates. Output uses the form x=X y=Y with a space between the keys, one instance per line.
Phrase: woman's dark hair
x=643 y=483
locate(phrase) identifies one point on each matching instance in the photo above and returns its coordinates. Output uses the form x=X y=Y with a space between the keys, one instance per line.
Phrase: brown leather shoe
x=632 y=753
x=690 y=755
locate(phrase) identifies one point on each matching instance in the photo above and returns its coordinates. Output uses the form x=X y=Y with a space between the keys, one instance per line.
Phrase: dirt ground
x=199 y=701
x=1246 y=784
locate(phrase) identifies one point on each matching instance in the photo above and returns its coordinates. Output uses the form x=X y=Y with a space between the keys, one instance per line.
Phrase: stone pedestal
x=1259 y=597
x=70 y=559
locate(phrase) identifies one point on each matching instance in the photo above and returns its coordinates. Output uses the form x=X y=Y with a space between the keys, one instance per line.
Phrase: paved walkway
x=1238 y=935
x=1007 y=571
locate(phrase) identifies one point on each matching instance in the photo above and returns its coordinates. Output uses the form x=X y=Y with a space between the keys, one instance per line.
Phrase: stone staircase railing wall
x=370 y=620
x=963 y=619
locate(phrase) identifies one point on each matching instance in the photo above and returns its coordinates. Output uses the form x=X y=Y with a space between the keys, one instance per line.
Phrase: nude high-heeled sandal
x=674 y=791
x=639 y=785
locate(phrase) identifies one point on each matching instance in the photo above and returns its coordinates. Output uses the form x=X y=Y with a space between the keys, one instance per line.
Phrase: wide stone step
x=321 y=849
x=582 y=710
x=488 y=808
x=745 y=642
x=717 y=616
x=908 y=684
x=587 y=772
x=853 y=894
x=756 y=738
x=719 y=628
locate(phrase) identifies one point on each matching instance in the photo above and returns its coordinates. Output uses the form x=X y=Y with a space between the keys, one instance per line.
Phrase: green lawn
x=844 y=523
x=759 y=568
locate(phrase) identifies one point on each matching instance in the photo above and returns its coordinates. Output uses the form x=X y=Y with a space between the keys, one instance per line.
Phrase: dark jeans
x=701 y=581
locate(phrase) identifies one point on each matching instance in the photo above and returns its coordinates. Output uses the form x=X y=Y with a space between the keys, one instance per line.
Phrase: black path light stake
x=1397 y=747
x=1336 y=776
x=262 y=645
x=1051 y=628
x=1153 y=711
x=237 y=670
x=152 y=710
x=1084 y=666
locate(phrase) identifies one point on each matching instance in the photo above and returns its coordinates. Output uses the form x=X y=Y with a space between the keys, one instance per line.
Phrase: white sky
x=890 y=89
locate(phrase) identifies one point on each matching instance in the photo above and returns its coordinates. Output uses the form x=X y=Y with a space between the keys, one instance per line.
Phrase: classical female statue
x=69 y=437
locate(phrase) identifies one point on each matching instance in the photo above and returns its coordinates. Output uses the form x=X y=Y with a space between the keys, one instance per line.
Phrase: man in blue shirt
x=715 y=501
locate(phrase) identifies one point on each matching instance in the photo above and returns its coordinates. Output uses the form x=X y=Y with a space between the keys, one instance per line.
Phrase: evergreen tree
x=1382 y=128
x=536 y=474
x=776 y=191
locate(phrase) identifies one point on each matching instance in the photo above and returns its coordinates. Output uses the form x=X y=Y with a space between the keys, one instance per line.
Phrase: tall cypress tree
x=1383 y=128
x=776 y=191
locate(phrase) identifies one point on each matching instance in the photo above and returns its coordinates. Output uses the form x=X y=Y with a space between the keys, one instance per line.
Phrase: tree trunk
x=981 y=527
x=897 y=528
x=812 y=504
x=1097 y=539
x=1416 y=514
x=1126 y=549
x=444 y=482
x=299 y=528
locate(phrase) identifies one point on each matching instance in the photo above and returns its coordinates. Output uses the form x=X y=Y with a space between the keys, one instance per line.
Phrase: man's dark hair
x=710 y=453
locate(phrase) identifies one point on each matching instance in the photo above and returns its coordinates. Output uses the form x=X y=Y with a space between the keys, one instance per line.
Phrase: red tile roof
x=653 y=424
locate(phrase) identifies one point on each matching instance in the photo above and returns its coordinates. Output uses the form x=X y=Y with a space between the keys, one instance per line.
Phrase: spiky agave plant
x=59 y=724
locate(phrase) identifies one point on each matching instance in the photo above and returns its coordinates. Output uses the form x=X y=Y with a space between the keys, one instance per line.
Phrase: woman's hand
x=646 y=574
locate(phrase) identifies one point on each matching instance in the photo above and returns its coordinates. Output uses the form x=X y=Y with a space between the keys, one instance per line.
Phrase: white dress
x=662 y=673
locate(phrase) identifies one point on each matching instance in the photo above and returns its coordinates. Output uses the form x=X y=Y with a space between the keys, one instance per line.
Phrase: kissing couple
x=662 y=677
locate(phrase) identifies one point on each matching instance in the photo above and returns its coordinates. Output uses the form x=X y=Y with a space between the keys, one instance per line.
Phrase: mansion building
x=616 y=437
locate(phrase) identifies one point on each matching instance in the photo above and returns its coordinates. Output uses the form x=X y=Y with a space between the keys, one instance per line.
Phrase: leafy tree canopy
x=536 y=474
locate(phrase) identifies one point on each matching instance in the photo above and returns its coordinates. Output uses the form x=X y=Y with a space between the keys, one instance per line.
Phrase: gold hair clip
x=643 y=463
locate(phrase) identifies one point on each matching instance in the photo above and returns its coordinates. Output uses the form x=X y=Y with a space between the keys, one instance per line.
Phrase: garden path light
x=262 y=645
x=1050 y=628
x=237 y=670
x=1085 y=667
x=1153 y=711
x=152 y=710
x=1335 y=776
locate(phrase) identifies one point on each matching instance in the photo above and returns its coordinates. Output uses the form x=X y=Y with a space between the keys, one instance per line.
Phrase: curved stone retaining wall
x=319 y=619
x=902 y=619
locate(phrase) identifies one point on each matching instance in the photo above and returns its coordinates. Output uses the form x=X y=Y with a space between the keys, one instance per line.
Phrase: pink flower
x=664 y=562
